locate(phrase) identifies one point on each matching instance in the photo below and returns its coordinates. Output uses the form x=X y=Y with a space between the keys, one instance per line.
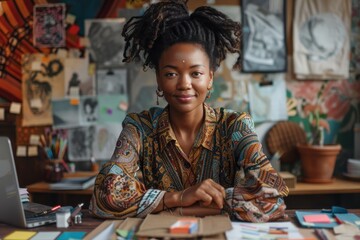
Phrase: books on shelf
x=73 y=183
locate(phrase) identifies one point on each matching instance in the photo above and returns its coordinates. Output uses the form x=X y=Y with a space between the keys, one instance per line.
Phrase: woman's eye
x=169 y=75
x=197 y=74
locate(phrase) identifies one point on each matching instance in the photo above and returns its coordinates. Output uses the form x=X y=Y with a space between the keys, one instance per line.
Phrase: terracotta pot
x=318 y=162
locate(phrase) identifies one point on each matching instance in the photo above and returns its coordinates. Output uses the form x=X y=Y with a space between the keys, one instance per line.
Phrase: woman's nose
x=184 y=82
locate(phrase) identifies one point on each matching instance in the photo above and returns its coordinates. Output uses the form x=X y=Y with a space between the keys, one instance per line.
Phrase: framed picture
x=264 y=36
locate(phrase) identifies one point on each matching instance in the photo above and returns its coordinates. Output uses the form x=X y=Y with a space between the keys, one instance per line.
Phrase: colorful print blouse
x=148 y=161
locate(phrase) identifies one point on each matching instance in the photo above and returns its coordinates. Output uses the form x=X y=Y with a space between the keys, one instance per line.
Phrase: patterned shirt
x=148 y=161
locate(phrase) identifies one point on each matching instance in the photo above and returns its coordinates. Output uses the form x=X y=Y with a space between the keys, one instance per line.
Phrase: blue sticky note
x=71 y=236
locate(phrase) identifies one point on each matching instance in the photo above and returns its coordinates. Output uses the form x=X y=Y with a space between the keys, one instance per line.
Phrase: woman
x=194 y=160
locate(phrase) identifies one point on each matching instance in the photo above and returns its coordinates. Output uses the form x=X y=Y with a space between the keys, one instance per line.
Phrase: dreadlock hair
x=168 y=22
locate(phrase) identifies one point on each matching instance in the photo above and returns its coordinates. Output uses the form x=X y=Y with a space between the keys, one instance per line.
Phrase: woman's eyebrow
x=193 y=66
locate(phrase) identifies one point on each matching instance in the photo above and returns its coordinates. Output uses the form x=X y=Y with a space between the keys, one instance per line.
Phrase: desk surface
x=89 y=223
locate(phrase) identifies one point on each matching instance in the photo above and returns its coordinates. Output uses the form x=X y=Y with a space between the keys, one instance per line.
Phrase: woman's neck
x=187 y=122
x=186 y=127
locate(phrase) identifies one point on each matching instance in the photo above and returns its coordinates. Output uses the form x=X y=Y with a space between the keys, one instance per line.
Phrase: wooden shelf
x=338 y=186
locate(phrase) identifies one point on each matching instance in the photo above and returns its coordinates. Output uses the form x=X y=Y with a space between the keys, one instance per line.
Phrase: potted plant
x=318 y=160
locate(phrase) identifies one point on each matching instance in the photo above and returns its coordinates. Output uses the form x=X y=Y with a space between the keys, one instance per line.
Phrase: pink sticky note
x=317 y=218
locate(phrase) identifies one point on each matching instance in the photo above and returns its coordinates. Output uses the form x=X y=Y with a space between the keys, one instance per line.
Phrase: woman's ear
x=211 y=79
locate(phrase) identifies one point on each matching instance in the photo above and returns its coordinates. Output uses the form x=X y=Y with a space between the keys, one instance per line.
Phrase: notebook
x=12 y=210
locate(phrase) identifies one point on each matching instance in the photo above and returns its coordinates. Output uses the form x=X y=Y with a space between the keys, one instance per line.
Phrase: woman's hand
x=208 y=193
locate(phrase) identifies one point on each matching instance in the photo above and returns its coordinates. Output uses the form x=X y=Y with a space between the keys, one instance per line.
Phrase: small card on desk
x=185 y=225
x=317 y=218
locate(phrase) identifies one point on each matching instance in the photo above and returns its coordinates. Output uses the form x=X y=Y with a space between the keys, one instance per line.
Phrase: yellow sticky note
x=20 y=235
x=70 y=18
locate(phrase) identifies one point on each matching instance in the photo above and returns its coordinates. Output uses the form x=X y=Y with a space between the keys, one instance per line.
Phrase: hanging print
x=49 y=25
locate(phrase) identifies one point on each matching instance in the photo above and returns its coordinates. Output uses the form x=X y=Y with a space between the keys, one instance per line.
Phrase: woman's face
x=185 y=76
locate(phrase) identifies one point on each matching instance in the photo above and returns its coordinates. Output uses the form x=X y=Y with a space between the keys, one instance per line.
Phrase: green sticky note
x=122 y=233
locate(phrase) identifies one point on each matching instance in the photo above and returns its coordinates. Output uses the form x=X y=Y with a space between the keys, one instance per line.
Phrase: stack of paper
x=24 y=194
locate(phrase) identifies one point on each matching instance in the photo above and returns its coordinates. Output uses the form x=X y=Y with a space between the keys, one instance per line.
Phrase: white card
x=15 y=107
x=34 y=139
x=74 y=91
x=32 y=151
x=36 y=66
x=21 y=151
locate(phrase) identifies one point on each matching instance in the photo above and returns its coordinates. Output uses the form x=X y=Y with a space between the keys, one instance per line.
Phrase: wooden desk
x=89 y=223
x=41 y=193
x=341 y=192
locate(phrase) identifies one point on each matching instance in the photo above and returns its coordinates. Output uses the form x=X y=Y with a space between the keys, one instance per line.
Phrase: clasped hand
x=207 y=194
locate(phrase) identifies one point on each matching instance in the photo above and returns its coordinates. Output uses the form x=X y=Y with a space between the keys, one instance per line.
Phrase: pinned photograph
x=106 y=43
x=105 y=140
x=65 y=114
x=49 y=25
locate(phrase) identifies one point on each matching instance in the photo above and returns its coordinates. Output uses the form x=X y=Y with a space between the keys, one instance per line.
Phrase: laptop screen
x=11 y=208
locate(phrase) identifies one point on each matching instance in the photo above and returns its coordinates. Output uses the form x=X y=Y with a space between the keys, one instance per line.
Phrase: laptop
x=12 y=210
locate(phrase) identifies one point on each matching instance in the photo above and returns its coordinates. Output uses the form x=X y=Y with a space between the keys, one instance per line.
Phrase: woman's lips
x=184 y=98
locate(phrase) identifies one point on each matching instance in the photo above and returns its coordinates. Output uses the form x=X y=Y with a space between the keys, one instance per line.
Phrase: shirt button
x=187 y=165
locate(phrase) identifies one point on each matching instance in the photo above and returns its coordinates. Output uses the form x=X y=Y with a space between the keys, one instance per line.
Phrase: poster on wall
x=42 y=80
x=264 y=38
x=111 y=81
x=80 y=142
x=49 y=25
x=321 y=35
x=106 y=43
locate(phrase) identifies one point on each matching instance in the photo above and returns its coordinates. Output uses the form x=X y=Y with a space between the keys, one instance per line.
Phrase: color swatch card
x=71 y=235
x=20 y=235
x=46 y=235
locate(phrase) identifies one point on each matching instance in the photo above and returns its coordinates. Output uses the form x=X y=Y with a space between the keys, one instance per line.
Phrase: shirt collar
x=207 y=130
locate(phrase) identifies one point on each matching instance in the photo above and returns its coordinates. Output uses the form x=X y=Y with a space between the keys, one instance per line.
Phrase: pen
x=48 y=211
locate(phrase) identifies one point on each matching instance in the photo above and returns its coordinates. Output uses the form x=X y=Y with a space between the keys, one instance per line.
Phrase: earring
x=208 y=95
x=159 y=93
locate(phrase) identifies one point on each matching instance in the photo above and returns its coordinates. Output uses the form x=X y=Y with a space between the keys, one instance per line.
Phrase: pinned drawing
x=89 y=110
x=80 y=143
x=78 y=81
x=42 y=80
x=49 y=25
x=264 y=44
x=111 y=81
x=321 y=39
x=105 y=140
x=106 y=42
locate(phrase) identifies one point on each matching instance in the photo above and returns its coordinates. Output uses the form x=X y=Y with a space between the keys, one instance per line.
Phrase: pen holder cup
x=53 y=171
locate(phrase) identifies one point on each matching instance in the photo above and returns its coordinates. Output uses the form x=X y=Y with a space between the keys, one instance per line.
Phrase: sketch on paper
x=65 y=114
x=106 y=42
x=89 y=110
x=78 y=82
x=267 y=100
x=317 y=36
x=80 y=143
x=49 y=25
x=105 y=140
x=112 y=81
x=264 y=44
x=41 y=81
x=112 y=108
